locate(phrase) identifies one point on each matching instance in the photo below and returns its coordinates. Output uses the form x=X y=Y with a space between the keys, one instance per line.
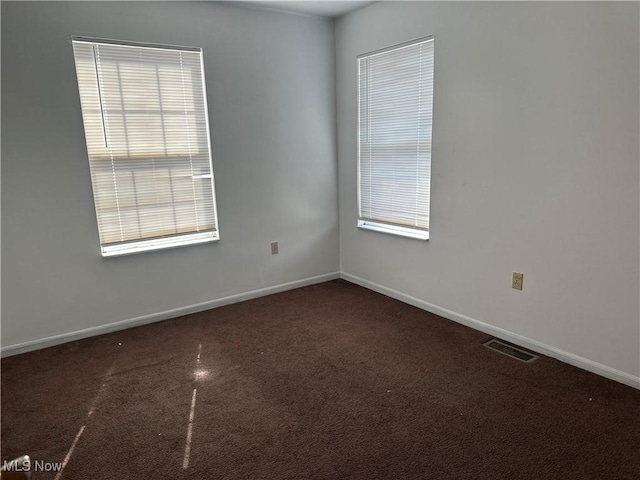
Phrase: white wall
x=270 y=81
x=535 y=169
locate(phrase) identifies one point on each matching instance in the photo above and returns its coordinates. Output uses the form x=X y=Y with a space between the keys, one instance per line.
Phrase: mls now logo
x=24 y=464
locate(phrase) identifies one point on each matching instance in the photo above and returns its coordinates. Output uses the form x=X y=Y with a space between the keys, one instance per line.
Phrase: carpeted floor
x=330 y=381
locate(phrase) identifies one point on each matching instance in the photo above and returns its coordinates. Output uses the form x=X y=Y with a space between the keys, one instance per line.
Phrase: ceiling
x=327 y=8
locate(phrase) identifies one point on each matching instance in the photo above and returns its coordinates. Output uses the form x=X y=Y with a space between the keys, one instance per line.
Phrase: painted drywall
x=535 y=169
x=270 y=83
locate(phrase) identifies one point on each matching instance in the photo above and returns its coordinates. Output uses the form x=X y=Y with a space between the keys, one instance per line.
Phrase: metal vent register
x=505 y=348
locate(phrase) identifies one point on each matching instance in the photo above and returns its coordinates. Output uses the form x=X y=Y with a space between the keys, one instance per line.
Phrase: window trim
x=391 y=229
x=159 y=243
x=372 y=225
x=131 y=43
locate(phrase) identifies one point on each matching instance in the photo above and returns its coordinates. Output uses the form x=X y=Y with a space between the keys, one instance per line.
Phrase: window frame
x=159 y=242
x=371 y=224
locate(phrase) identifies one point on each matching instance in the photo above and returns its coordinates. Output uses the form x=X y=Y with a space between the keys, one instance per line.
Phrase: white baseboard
x=525 y=342
x=156 y=317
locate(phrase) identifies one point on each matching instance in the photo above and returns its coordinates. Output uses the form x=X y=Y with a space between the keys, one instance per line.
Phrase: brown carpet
x=330 y=381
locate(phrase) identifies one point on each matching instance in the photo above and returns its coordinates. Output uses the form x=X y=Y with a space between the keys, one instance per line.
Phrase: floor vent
x=513 y=351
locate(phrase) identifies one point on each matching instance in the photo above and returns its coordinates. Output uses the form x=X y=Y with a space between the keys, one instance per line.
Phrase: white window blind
x=147 y=132
x=395 y=106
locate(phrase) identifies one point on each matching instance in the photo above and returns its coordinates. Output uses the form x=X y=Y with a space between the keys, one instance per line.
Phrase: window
x=395 y=111
x=147 y=132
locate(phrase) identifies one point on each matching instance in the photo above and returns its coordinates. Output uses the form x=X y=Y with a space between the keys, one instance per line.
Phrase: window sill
x=393 y=230
x=158 y=244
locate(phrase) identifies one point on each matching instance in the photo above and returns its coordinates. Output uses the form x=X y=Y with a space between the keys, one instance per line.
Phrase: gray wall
x=535 y=169
x=270 y=82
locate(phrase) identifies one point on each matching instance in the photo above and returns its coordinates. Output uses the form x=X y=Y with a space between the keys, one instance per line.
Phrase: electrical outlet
x=516 y=280
x=274 y=248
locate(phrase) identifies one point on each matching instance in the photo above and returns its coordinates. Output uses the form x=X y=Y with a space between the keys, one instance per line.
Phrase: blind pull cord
x=104 y=125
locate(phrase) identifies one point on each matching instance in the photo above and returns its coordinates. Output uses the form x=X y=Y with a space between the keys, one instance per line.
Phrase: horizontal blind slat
x=395 y=98
x=146 y=128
